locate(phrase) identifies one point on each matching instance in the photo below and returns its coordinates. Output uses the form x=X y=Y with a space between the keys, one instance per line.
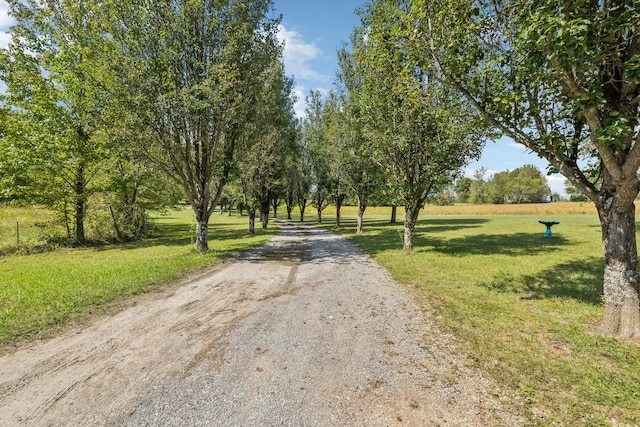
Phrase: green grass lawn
x=44 y=290
x=526 y=309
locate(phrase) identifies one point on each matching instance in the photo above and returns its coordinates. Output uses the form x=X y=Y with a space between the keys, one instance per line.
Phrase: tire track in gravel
x=305 y=331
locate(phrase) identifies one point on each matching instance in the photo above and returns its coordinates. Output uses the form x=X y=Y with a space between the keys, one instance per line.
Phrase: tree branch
x=577 y=92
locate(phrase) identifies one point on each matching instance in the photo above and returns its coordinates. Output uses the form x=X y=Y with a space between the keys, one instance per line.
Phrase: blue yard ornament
x=549 y=224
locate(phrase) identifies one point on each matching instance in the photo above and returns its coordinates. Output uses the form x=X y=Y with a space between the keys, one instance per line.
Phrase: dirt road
x=305 y=331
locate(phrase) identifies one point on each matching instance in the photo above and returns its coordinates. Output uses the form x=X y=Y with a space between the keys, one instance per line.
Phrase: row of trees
x=525 y=184
x=102 y=100
x=119 y=105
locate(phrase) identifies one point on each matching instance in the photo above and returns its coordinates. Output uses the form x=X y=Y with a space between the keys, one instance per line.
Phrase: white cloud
x=298 y=54
x=300 y=105
x=556 y=184
x=5 y=19
x=301 y=93
x=5 y=39
x=5 y=22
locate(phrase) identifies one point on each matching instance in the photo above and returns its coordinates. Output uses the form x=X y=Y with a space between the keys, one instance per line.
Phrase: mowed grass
x=41 y=291
x=526 y=309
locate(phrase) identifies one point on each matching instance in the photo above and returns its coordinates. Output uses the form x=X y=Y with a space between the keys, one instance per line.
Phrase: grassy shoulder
x=45 y=290
x=525 y=308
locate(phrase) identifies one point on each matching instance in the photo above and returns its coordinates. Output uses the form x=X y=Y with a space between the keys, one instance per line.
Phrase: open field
x=525 y=308
x=49 y=289
x=26 y=228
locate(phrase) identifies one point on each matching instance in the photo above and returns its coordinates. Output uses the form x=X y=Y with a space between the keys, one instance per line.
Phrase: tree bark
x=410 y=218
x=319 y=215
x=264 y=212
x=202 y=234
x=339 y=199
x=622 y=307
x=80 y=206
x=115 y=223
x=302 y=204
x=394 y=210
x=361 y=208
x=290 y=202
x=66 y=220
x=252 y=221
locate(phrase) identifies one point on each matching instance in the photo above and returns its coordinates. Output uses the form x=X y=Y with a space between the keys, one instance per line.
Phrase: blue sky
x=313 y=31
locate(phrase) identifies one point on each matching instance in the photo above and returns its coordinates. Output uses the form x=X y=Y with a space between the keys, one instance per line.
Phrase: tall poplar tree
x=357 y=163
x=194 y=70
x=316 y=140
x=424 y=131
x=267 y=143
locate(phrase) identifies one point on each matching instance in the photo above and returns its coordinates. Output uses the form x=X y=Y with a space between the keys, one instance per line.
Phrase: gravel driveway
x=305 y=331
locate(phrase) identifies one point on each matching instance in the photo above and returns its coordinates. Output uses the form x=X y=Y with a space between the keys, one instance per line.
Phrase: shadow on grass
x=491 y=244
x=383 y=236
x=580 y=280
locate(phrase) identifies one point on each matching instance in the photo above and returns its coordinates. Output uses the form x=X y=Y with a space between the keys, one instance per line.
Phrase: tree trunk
x=622 y=307
x=302 y=204
x=410 y=218
x=80 y=206
x=264 y=213
x=202 y=234
x=339 y=200
x=361 y=208
x=66 y=220
x=394 y=211
x=252 y=221
x=115 y=223
x=290 y=202
x=319 y=209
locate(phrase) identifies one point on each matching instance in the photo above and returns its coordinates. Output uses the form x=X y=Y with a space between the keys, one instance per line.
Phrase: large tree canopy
x=267 y=144
x=195 y=70
x=56 y=98
x=425 y=132
x=356 y=160
x=563 y=79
